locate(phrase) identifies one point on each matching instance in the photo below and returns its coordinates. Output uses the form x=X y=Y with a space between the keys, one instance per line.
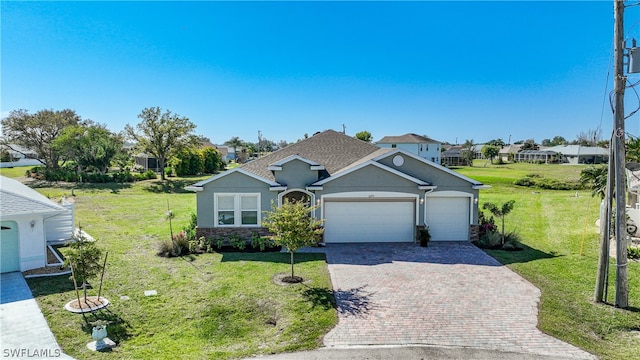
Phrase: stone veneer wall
x=474 y=232
x=223 y=232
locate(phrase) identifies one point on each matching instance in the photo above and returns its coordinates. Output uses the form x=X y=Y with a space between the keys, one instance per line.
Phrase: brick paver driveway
x=448 y=294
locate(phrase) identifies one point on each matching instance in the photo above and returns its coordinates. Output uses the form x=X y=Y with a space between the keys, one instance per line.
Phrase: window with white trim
x=237 y=209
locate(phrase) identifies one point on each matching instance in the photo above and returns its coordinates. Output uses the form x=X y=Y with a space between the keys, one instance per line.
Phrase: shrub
x=178 y=246
x=538 y=181
x=237 y=242
x=490 y=240
x=190 y=228
x=486 y=224
x=262 y=243
x=633 y=252
x=512 y=242
x=165 y=249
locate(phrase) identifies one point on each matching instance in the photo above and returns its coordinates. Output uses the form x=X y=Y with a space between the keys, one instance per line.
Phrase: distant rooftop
x=407 y=139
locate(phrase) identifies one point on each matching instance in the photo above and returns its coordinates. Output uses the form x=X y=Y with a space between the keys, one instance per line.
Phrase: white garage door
x=369 y=221
x=448 y=218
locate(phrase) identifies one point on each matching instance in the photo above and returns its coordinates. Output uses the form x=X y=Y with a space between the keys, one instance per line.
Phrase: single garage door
x=448 y=218
x=9 y=248
x=369 y=221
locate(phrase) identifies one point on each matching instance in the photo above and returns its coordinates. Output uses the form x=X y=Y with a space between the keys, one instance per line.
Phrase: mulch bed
x=92 y=303
x=51 y=258
x=47 y=270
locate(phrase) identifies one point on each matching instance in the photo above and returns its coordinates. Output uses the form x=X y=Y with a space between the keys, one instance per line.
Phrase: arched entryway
x=296 y=195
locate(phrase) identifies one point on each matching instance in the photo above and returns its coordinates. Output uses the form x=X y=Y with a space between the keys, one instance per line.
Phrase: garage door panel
x=369 y=221
x=448 y=218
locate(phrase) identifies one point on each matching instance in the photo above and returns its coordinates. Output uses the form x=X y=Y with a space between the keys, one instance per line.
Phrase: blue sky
x=451 y=70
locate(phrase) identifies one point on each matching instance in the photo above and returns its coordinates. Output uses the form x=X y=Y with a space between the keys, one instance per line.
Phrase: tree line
x=70 y=148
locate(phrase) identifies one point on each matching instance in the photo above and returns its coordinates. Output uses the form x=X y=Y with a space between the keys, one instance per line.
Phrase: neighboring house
x=578 y=154
x=364 y=193
x=28 y=220
x=537 y=156
x=452 y=156
x=420 y=145
x=147 y=162
x=224 y=153
x=21 y=157
x=508 y=152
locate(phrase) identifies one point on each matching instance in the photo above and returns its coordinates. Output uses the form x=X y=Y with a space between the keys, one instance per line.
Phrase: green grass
x=218 y=306
x=560 y=257
x=14 y=172
x=506 y=174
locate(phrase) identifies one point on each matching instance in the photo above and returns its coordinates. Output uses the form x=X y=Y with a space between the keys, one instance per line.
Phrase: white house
x=27 y=218
x=422 y=146
x=17 y=157
x=578 y=154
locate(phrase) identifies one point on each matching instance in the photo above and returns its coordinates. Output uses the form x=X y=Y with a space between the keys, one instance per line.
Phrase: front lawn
x=560 y=257
x=208 y=306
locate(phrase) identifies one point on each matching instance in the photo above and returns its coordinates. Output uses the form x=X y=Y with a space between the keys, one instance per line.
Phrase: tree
x=529 y=144
x=293 y=227
x=633 y=149
x=84 y=256
x=500 y=211
x=235 y=143
x=36 y=132
x=364 y=136
x=588 y=138
x=212 y=160
x=282 y=144
x=467 y=152
x=189 y=161
x=595 y=178
x=90 y=146
x=490 y=152
x=496 y=142
x=162 y=135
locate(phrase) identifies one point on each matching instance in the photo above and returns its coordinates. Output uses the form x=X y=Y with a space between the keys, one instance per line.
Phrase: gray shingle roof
x=407 y=139
x=330 y=148
x=17 y=198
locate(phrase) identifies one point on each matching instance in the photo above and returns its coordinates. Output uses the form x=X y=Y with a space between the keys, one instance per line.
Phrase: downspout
x=424 y=208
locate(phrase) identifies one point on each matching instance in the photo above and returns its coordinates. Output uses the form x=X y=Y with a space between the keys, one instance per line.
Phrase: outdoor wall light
x=475 y=200
x=421 y=201
x=32 y=223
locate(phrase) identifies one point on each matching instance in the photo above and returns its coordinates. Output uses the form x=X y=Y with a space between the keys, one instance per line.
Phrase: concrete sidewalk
x=24 y=332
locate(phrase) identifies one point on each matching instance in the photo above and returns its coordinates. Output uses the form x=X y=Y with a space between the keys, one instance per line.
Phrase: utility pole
x=259 y=141
x=622 y=286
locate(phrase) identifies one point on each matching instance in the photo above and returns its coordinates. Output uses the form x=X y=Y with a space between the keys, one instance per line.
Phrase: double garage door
x=394 y=220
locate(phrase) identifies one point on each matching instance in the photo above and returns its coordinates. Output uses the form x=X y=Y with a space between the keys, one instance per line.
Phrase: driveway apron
x=24 y=332
x=447 y=294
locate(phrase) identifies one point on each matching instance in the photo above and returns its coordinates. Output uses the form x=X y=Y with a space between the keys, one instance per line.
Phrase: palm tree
x=500 y=212
x=595 y=178
x=234 y=142
x=633 y=149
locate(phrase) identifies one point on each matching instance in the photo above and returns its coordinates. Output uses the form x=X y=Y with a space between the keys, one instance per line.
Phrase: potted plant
x=424 y=236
